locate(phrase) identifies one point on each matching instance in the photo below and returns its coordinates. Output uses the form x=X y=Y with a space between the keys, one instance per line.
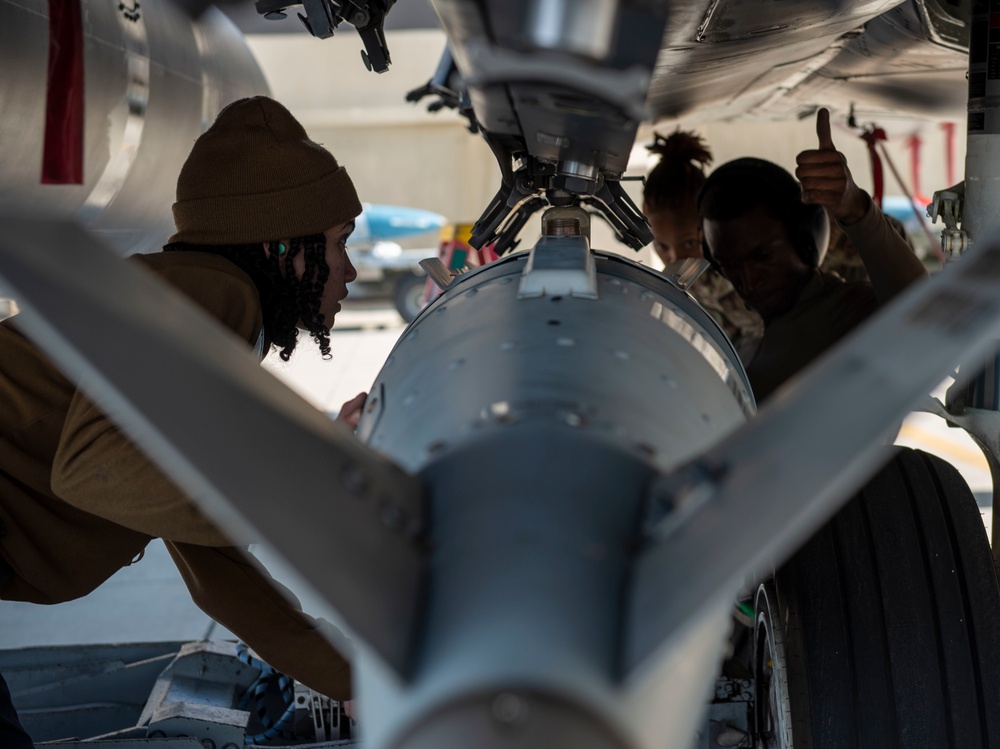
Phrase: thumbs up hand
x=823 y=130
x=826 y=180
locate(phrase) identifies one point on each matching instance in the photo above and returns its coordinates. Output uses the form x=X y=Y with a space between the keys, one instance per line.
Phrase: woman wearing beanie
x=263 y=215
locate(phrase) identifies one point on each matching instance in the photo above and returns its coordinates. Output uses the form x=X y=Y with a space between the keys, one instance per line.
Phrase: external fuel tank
x=101 y=102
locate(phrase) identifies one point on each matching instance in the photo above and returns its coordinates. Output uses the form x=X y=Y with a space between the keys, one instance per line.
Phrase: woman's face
x=342 y=272
x=676 y=235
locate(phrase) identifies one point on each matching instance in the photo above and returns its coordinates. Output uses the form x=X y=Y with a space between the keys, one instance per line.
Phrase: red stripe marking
x=62 y=159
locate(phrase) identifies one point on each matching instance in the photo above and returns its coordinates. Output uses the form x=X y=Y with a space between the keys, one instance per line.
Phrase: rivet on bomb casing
x=509 y=709
x=501 y=412
x=353 y=480
x=392 y=517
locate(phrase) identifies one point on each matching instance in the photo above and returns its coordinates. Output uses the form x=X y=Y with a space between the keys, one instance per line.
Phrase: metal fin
x=685 y=272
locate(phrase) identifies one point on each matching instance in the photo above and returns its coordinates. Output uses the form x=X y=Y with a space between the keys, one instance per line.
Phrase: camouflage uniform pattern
x=842 y=260
x=742 y=326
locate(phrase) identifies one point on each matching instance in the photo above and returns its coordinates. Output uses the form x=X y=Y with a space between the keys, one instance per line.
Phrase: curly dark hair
x=285 y=299
x=676 y=179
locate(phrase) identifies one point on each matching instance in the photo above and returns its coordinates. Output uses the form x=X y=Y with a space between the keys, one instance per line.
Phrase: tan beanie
x=255 y=176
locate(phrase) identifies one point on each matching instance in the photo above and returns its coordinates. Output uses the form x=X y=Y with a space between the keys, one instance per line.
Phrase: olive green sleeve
x=235 y=590
x=99 y=470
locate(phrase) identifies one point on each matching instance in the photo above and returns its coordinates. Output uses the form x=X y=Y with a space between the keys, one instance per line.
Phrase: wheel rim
x=413 y=301
x=409 y=297
x=772 y=707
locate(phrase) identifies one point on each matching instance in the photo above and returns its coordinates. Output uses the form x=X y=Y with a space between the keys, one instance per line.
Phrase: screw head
x=509 y=709
x=392 y=517
x=353 y=480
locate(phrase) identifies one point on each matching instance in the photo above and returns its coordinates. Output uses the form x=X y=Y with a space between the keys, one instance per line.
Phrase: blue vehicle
x=900 y=208
x=385 y=266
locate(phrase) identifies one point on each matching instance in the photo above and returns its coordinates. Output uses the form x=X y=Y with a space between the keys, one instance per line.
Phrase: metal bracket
x=508 y=198
x=506 y=237
x=440 y=274
x=322 y=17
x=319 y=18
x=630 y=226
x=448 y=86
x=194 y=696
x=369 y=24
x=685 y=272
x=947 y=205
x=560 y=266
x=321 y=718
x=521 y=196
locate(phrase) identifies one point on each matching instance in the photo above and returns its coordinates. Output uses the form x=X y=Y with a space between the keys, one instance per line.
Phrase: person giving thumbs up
x=826 y=180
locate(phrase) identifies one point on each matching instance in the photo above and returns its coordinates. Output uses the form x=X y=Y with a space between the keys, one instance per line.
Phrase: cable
x=935 y=245
x=258 y=691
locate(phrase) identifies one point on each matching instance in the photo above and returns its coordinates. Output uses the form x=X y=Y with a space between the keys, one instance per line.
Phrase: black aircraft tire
x=409 y=296
x=884 y=630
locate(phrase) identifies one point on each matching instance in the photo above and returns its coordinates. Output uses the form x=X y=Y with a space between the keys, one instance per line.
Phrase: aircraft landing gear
x=884 y=630
x=772 y=705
